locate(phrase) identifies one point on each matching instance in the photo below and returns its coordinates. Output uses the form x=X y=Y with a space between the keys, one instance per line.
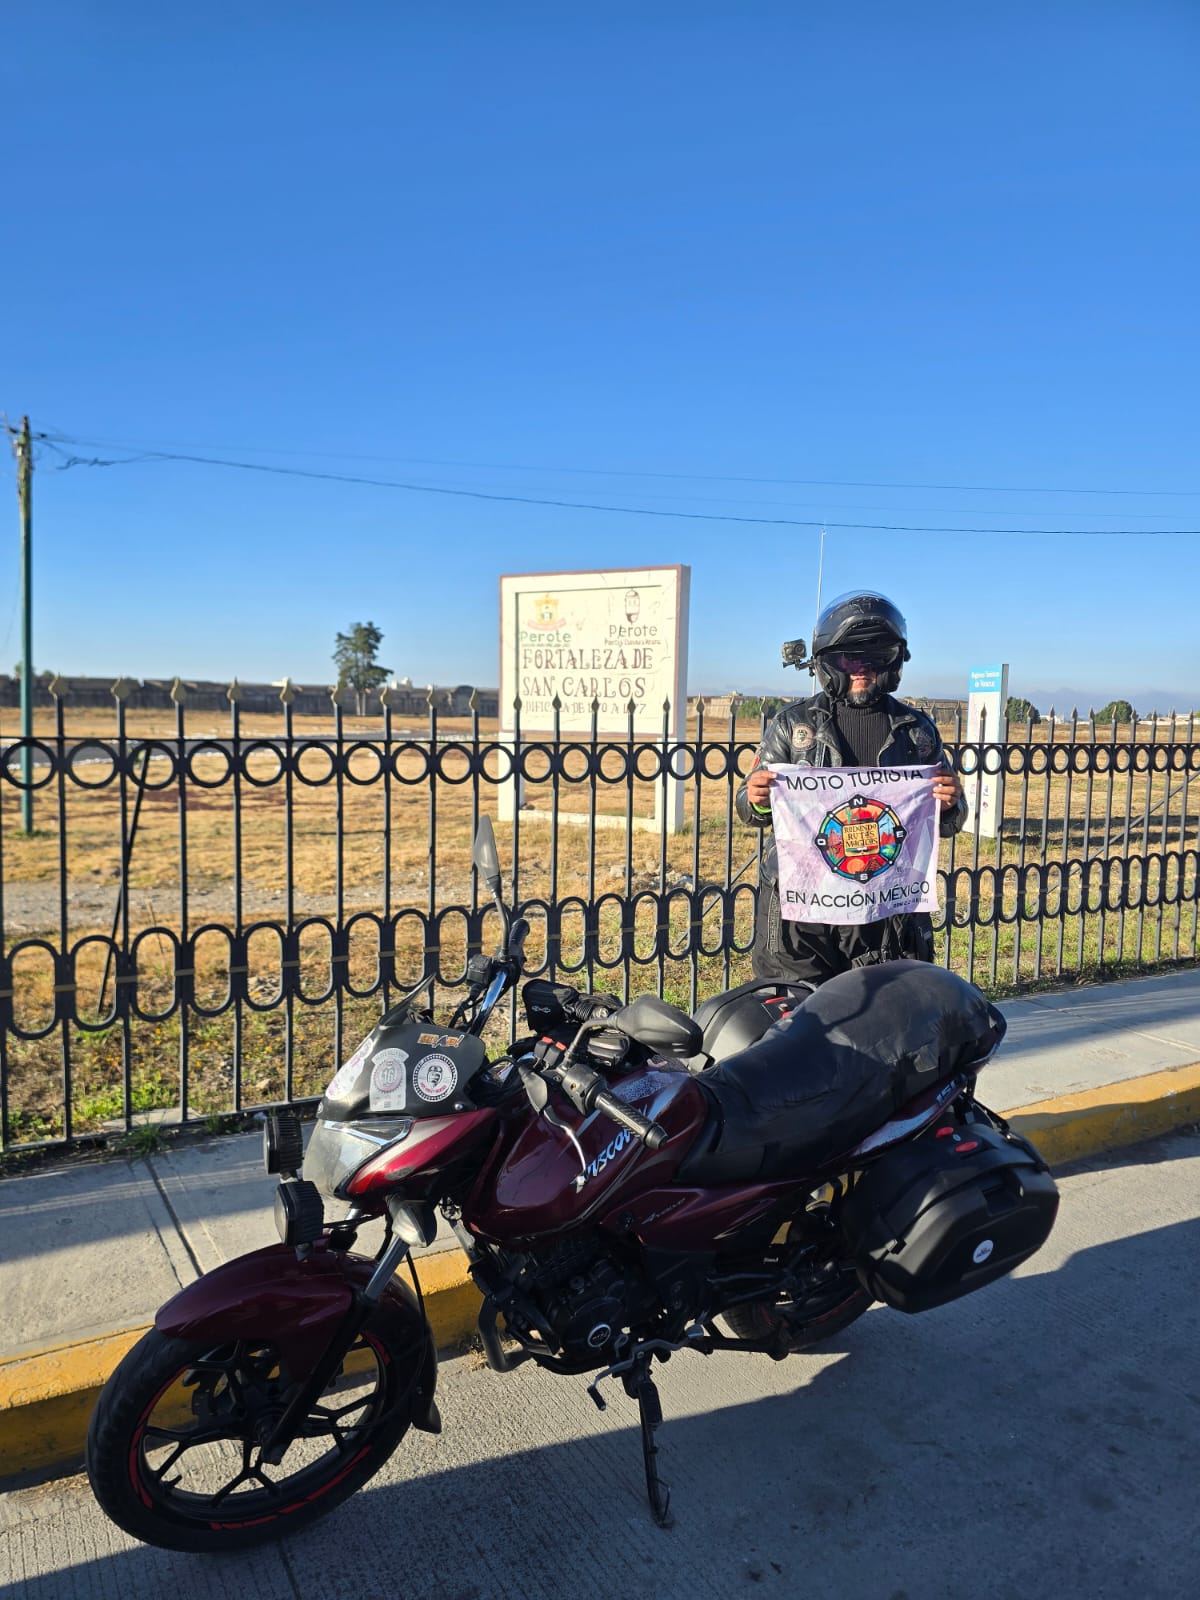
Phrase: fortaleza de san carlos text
x=604 y=671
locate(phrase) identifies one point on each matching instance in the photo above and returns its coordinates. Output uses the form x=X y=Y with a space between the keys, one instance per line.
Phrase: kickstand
x=641 y=1387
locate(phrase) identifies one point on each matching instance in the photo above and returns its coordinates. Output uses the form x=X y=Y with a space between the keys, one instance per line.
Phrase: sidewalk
x=90 y=1249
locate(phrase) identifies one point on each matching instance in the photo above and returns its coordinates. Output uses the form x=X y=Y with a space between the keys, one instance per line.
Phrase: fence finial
x=177 y=691
x=123 y=688
x=234 y=692
x=58 y=687
x=287 y=690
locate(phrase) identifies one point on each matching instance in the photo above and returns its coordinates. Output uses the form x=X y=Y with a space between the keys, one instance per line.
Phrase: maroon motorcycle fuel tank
x=544 y=1184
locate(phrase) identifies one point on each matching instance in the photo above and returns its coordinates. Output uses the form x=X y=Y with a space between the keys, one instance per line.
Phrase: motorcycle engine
x=589 y=1309
x=582 y=1294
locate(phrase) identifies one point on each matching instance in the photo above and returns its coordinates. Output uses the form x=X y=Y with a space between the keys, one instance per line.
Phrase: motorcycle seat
x=836 y=1069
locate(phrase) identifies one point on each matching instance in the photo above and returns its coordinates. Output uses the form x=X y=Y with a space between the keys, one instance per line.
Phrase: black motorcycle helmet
x=862 y=620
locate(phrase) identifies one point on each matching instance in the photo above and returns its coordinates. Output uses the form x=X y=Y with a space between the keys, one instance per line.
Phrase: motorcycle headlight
x=336 y=1150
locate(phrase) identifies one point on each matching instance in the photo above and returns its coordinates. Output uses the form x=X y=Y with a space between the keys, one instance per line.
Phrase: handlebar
x=585 y=1089
x=517 y=936
x=652 y=1134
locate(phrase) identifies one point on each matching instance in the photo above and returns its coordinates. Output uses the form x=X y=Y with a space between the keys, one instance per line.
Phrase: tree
x=1116 y=711
x=1022 y=710
x=760 y=705
x=354 y=655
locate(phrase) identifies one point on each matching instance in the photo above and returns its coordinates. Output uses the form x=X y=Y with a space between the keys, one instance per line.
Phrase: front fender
x=298 y=1306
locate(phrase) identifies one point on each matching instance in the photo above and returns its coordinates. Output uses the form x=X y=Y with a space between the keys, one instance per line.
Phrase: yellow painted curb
x=46 y=1396
x=1079 y=1125
x=451 y=1298
x=46 y=1399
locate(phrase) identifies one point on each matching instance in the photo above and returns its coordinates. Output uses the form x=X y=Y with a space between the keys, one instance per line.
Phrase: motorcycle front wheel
x=174 y=1450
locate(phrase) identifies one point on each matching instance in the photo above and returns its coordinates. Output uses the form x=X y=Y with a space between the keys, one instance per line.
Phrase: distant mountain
x=1143 y=701
x=1064 y=699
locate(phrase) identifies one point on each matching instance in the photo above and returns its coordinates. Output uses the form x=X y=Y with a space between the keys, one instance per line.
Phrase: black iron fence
x=208 y=913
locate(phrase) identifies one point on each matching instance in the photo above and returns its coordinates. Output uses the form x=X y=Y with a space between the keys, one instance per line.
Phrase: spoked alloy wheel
x=824 y=1311
x=830 y=1297
x=175 y=1448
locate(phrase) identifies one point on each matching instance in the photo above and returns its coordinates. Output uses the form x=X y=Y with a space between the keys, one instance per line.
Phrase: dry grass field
x=216 y=851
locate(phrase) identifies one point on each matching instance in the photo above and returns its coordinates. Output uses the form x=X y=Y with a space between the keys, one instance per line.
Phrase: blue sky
x=754 y=260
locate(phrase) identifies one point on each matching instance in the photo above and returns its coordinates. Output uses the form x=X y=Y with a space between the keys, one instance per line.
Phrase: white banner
x=855 y=844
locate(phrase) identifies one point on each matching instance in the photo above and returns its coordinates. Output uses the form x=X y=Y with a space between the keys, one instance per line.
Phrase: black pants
x=812 y=952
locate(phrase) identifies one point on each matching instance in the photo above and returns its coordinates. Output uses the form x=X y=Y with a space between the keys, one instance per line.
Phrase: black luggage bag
x=941 y=1217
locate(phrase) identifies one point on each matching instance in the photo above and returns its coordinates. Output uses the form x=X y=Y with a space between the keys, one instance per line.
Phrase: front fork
x=362 y=1305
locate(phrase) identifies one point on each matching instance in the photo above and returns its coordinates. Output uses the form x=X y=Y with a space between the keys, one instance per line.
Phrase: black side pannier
x=938 y=1218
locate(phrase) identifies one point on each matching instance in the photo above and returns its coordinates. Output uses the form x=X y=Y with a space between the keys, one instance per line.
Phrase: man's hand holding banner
x=855 y=844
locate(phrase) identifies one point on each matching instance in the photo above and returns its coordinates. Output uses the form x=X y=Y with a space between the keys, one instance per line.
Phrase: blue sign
x=987 y=680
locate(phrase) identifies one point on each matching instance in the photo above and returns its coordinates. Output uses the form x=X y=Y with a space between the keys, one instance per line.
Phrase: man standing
x=859 y=649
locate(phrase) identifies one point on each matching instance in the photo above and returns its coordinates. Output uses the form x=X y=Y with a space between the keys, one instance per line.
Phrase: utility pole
x=23 y=449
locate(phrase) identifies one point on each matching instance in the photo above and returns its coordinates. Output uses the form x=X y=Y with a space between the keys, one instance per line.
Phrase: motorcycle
x=619 y=1181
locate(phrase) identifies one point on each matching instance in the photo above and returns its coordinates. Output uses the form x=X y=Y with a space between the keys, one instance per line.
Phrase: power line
x=618 y=510
x=622 y=472
x=702 y=499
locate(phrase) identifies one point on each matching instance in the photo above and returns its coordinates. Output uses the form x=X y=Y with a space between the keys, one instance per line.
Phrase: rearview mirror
x=485 y=855
x=659 y=1026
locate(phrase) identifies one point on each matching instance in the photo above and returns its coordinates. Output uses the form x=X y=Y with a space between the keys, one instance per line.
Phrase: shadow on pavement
x=1040 y=1437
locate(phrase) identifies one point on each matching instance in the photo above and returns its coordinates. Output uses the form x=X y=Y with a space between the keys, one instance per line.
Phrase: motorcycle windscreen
x=412 y=1069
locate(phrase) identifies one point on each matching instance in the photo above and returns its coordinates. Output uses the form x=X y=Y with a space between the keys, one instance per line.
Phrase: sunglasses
x=862 y=660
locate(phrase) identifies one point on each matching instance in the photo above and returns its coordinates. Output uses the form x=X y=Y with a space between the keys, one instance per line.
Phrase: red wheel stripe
x=134 y=1475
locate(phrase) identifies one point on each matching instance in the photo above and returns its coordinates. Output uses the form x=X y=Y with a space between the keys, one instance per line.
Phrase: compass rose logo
x=860 y=839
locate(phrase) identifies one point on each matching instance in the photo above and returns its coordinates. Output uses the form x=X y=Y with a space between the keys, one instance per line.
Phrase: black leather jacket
x=804 y=735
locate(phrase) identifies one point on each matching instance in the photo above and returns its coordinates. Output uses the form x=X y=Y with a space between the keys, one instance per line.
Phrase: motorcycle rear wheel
x=831 y=1297
x=174 y=1450
x=799 y=1324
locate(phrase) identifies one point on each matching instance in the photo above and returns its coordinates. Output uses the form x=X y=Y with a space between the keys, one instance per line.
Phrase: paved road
x=1042 y=1437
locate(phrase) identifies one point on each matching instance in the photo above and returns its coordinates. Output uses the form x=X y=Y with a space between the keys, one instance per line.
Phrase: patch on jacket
x=924 y=740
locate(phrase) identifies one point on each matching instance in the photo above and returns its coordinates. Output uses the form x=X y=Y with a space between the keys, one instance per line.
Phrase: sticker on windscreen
x=387 y=1080
x=434 y=1077
x=346 y=1076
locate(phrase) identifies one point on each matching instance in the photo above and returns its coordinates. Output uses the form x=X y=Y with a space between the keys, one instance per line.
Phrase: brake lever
x=537 y=1092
